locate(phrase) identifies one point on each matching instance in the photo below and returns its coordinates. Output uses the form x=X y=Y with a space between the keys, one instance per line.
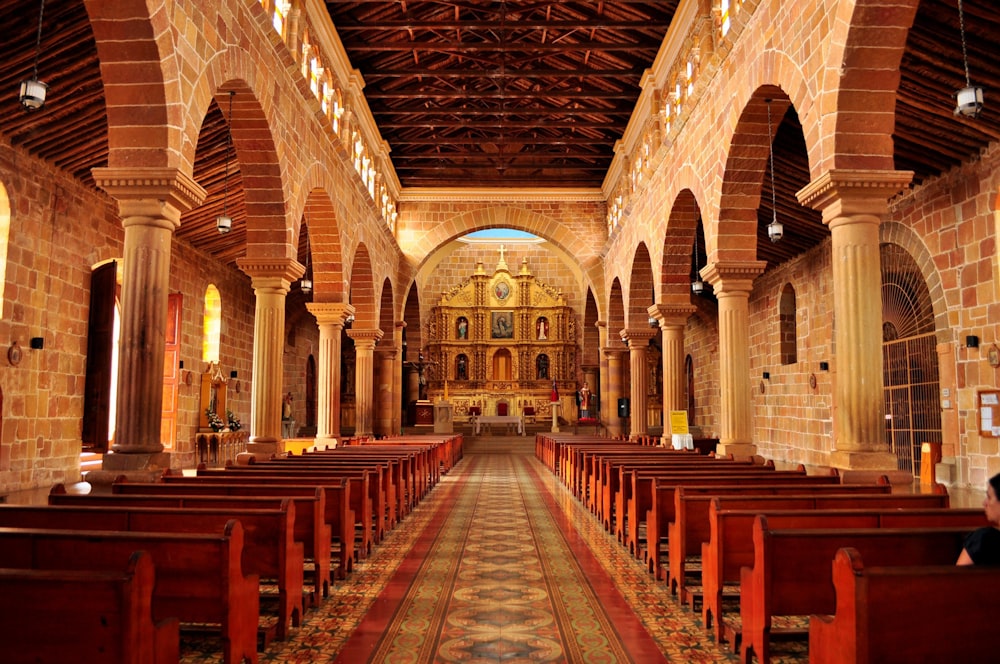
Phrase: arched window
x=212 y=325
x=4 y=237
x=689 y=384
x=788 y=341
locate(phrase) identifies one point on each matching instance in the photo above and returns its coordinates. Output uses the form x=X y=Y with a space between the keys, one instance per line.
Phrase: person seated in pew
x=982 y=547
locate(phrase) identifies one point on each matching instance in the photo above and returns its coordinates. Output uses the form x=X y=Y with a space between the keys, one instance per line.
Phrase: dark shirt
x=983 y=546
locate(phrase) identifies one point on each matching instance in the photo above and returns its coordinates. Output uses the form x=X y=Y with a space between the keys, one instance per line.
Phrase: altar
x=510 y=422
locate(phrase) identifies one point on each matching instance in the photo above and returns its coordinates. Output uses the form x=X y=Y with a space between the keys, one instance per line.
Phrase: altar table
x=509 y=421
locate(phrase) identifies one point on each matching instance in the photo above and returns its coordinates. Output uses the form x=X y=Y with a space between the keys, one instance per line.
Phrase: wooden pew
x=269 y=550
x=690 y=525
x=199 y=577
x=93 y=616
x=730 y=544
x=791 y=571
x=339 y=518
x=309 y=528
x=899 y=615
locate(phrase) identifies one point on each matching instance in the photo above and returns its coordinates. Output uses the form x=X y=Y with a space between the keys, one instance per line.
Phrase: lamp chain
x=770 y=139
x=229 y=142
x=965 y=53
x=38 y=39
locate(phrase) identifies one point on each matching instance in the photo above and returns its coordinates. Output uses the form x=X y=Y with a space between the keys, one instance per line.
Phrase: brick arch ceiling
x=324 y=247
x=363 y=290
x=678 y=247
x=616 y=309
x=641 y=290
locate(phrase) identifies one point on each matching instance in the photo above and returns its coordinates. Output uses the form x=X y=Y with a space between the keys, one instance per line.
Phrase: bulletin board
x=988 y=403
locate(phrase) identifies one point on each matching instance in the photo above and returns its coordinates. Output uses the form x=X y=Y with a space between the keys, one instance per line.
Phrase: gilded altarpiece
x=501 y=343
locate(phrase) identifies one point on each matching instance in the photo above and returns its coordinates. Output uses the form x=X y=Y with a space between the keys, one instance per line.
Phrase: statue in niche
x=542 y=367
x=542 y=327
x=461 y=368
x=463 y=328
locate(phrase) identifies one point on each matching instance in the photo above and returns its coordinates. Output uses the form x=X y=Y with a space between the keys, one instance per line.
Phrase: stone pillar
x=638 y=346
x=673 y=320
x=150 y=203
x=733 y=282
x=330 y=317
x=364 y=406
x=853 y=203
x=384 y=406
x=613 y=422
x=603 y=400
x=397 y=381
x=270 y=279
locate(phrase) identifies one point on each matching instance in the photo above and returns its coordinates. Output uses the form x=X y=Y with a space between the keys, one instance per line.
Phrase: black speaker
x=972 y=342
x=623 y=408
x=37 y=343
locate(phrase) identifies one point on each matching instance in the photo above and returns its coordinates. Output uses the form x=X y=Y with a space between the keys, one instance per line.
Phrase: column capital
x=733 y=276
x=330 y=313
x=638 y=337
x=841 y=192
x=155 y=193
x=365 y=338
x=667 y=314
x=613 y=351
x=276 y=272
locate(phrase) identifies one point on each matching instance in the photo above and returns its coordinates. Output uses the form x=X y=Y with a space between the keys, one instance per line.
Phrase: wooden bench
x=269 y=549
x=904 y=614
x=309 y=527
x=690 y=525
x=791 y=570
x=730 y=544
x=339 y=518
x=199 y=577
x=93 y=616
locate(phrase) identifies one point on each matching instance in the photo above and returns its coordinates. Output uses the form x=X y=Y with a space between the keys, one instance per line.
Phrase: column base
x=860 y=467
x=738 y=450
x=140 y=467
x=324 y=442
x=264 y=449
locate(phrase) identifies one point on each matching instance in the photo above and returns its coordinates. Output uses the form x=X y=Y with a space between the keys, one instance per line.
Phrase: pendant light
x=224 y=223
x=306 y=282
x=969 y=98
x=697 y=285
x=775 y=230
x=32 y=92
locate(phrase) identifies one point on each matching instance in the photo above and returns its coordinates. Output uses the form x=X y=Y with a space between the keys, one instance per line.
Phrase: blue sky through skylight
x=501 y=234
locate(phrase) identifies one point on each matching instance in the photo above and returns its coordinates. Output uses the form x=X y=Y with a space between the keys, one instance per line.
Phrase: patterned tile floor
x=498 y=564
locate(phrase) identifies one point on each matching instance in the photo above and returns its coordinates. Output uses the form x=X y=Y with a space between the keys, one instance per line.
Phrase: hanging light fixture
x=697 y=286
x=306 y=282
x=224 y=223
x=33 y=91
x=969 y=98
x=774 y=229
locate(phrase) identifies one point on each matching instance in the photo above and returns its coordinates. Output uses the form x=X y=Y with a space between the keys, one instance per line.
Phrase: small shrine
x=502 y=344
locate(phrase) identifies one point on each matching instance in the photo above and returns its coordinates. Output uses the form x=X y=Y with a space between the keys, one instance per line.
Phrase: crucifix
x=502 y=249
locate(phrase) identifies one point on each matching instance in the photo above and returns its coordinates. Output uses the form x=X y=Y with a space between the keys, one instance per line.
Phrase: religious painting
x=503 y=325
x=502 y=290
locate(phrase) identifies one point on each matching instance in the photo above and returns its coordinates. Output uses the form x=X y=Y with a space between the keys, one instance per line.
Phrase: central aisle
x=499 y=564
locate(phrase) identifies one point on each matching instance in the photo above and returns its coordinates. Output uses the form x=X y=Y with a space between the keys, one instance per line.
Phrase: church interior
x=232 y=231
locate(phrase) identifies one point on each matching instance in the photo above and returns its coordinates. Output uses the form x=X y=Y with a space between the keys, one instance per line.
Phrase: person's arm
x=964 y=558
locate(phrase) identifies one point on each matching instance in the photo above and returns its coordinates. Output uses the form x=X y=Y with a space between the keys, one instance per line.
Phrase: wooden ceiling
x=510 y=94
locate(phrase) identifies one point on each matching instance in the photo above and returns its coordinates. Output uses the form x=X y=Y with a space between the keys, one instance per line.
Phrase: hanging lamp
x=224 y=223
x=306 y=282
x=775 y=230
x=32 y=92
x=697 y=285
x=970 y=98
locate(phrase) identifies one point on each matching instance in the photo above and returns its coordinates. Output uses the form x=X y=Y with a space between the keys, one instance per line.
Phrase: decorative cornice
x=372 y=335
x=731 y=276
x=498 y=195
x=285 y=269
x=330 y=312
x=667 y=314
x=642 y=334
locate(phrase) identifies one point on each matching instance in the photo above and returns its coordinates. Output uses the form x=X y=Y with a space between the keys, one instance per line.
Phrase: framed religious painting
x=502 y=325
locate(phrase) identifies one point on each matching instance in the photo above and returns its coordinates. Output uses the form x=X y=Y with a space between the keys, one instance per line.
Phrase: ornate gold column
x=330 y=317
x=638 y=346
x=150 y=203
x=364 y=369
x=613 y=422
x=853 y=204
x=270 y=279
x=386 y=355
x=673 y=320
x=733 y=282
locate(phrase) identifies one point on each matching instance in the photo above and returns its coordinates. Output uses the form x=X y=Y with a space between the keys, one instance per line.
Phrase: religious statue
x=542 y=367
x=461 y=368
x=286 y=407
x=585 y=397
x=463 y=328
x=543 y=329
x=555 y=392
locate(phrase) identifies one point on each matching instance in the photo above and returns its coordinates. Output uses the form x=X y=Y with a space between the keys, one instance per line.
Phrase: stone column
x=150 y=203
x=330 y=317
x=386 y=360
x=270 y=279
x=853 y=204
x=638 y=346
x=364 y=405
x=603 y=400
x=613 y=422
x=733 y=282
x=397 y=381
x=673 y=320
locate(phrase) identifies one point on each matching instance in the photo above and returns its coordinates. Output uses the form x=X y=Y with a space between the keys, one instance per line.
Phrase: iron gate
x=912 y=409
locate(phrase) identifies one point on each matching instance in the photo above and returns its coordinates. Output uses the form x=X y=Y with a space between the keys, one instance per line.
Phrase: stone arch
x=903 y=236
x=387 y=311
x=324 y=243
x=868 y=60
x=362 y=291
x=678 y=246
x=150 y=138
x=616 y=311
x=735 y=237
x=642 y=290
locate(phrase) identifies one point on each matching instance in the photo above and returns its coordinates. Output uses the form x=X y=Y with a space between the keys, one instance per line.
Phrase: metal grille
x=912 y=412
